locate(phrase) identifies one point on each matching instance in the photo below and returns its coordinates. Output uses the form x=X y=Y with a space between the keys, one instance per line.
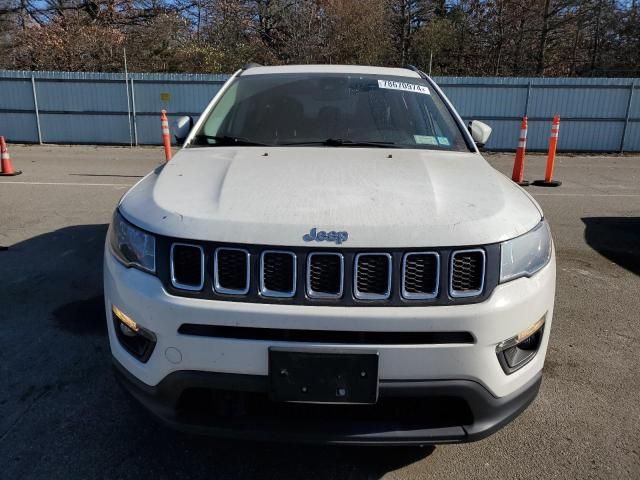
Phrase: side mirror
x=480 y=132
x=181 y=128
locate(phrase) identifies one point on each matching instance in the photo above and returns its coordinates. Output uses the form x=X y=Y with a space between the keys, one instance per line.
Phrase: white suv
x=330 y=259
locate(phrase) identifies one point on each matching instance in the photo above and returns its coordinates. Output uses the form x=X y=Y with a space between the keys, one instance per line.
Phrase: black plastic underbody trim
x=326 y=336
x=492 y=275
x=489 y=413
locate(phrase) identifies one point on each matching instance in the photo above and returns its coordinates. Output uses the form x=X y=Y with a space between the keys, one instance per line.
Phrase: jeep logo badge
x=322 y=236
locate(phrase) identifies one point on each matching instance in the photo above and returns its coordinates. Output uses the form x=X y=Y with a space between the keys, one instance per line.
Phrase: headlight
x=525 y=255
x=132 y=246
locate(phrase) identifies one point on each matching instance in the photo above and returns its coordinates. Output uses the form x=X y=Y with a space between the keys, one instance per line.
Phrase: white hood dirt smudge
x=418 y=198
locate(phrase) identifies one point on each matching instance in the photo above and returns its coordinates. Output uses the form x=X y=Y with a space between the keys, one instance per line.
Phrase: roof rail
x=250 y=65
x=415 y=69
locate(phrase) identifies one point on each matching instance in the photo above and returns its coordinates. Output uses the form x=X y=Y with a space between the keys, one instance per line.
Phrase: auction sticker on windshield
x=407 y=87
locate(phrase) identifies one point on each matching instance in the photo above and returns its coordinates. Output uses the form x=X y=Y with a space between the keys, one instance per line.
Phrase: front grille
x=325 y=275
x=231 y=271
x=277 y=274
x=187 y=266
x=467 y=273
x=328 y=277
x=373 y=276
x=420 y=275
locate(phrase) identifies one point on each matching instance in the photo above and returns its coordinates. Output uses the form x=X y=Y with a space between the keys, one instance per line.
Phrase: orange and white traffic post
x=518 y=165
x=6 y=167
x=551 y=157
x=166 y=135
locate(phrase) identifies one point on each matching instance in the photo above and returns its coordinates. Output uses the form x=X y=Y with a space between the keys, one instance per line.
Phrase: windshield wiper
x=227 y=140
x=339 y=142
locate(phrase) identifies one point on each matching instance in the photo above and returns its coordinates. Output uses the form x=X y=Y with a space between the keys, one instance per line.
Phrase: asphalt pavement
x=63 y=416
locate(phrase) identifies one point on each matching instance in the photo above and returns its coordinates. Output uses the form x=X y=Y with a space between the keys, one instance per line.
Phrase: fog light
x=126 y=321
x=126 y=330
x=525 y=334
x=135 y=339
x=517 y=351
x=529 y=343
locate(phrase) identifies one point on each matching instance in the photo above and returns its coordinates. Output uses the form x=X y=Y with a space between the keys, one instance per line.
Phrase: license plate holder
x=323 y=377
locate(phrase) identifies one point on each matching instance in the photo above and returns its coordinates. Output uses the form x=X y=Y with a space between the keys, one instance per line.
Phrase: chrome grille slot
x=372 y=276
x=420 y=275
x=325 y=275
x=467 y=273
x=187 y=266
x=277 y=274
x=231 y=271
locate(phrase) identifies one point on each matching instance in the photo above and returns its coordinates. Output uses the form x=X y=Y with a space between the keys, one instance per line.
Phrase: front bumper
x=233 y=415
x=468 y=372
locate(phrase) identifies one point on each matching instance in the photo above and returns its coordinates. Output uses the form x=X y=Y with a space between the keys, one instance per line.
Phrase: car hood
x=381 y=197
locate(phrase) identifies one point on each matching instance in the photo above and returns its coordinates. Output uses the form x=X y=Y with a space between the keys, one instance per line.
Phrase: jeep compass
x=330 y=259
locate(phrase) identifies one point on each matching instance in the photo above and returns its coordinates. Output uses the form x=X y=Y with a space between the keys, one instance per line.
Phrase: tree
x=356 y=38
x=465 y=37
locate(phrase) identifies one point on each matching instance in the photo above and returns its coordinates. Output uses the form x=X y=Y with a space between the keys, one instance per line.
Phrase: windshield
x=337 y=110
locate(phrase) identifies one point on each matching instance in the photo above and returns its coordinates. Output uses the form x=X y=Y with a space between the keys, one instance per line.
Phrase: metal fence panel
x=84 y=128
x=83 y=97
x=19 y=127
x=182 y=98
x=15 y=94
x=487 y=102
x=597 y=114
x=593 y=111
x=632 y=144
x=588 y=136
x=634 y=107
x=595 y=102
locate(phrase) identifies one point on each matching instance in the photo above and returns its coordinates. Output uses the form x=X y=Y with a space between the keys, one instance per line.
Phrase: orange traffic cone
x=551 y=157
x=166 y=136
x=6 y=167
x=518 y=165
